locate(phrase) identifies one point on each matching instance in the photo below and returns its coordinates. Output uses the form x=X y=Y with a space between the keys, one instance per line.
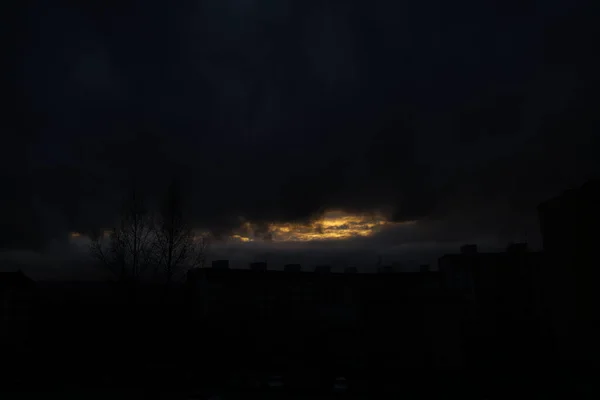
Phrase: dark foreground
x=171 y=382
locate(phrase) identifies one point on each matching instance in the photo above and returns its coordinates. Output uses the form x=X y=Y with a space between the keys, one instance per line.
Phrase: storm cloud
x=462 y=118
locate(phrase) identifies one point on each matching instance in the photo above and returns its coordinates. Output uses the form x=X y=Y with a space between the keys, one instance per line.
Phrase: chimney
x=258 y=266
x=424 y=268
x=468 y=249
x=220 y=264
x=350 y=270
x=292 y=268
x=517 y=248
x=323 y=269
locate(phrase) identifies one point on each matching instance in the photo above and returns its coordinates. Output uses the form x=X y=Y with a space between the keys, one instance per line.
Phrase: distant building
x=292 y=268
x=323 y=269
x=472 y=272
x=220 y=264
x=18 y=296
x=316 y=315
x=258 y=266
x=569 y=222
x=517 y=248
x=569 y=225
x=503 y=290
x=385 y=269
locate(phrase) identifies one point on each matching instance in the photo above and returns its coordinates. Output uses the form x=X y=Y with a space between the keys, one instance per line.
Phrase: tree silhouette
x=129 y=250
x=161 y=243
x=176 y=245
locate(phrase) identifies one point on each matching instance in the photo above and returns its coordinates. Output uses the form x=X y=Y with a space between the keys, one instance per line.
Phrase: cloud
x=277 y=112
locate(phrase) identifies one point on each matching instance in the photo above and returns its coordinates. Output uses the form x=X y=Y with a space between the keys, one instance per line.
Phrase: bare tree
x=127 y=252
x=162 y=243
x=177 y=247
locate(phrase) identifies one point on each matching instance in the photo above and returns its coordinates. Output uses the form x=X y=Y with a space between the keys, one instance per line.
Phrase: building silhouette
x=484 y=319
x=325 y=319
x=258 y=266
x=292 y=268
x=18 y=312
x=569 y=226
x=505 y=303
x=220 y=264
x=323 y=269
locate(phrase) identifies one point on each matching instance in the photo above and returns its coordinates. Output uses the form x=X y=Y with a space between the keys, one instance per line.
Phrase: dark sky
x=462 y=115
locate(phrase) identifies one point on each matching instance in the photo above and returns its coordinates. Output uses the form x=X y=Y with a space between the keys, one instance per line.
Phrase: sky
x=448 y=121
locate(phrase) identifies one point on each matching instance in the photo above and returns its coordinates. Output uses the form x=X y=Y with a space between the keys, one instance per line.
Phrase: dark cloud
x=460 y=115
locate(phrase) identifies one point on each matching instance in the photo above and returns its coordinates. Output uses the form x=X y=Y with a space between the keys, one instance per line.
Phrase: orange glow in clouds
x=331 y=226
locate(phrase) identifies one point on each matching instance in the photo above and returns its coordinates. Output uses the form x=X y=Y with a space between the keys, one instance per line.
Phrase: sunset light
x=333 y=225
